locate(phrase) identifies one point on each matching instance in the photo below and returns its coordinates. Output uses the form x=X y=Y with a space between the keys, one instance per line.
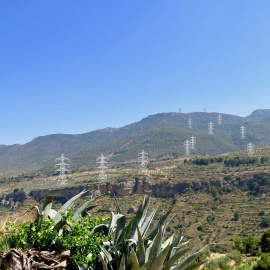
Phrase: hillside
x=160 y=135
x=204 y=197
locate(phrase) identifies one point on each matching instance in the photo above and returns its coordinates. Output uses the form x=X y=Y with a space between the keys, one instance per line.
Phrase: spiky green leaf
x=135 y=263
x=122 y=263
x=67 y=205
x=157 y=264
x=118 y=209
x=175 y=258
x=145 y=226
x=141 y=249
x=183 y=264
x=104 y=265
x=194 y=266
x=155 y=249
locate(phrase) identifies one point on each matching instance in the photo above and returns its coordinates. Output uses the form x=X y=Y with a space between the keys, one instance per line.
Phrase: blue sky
x=74 y=66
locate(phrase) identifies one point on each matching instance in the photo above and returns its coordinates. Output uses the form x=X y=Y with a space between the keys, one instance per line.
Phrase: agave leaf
x=168 y=241
x=145 y=209
x=113 y=222
x=122 y=263
x=67 y=205
x=194 y=266
x=128 y=229
x=155 y=229
x=38 y=218
x=132 y=241
x=117 y=206
x=145 y=226
x=60 y=225
x=175 y=247
x=115 y=252
x=104 y=265
x=135 y=263
x=141 y=249
x=83 y=266
x=164 y=227
x=47 y=206
x=119 y=234
x=182 y=245
x=129 y=260
x=81 y=212
x=52 y=214
x=146 y=265
x=175 y=258
x=101 y=227
x=147 y=252
x=139 y=218
x=183 y=264
x=38 y=211
x=155 y=249
x=158 y=262
x=106 y=254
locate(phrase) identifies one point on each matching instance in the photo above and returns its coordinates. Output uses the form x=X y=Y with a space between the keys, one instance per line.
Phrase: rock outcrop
x=138 y=185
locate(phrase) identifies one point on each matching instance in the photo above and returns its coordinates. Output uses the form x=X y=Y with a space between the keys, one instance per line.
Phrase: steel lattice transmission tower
x=102 y=161
x=62 y=168
x=219 y=119
x=187 y=147
x=180 y=110
x=142 y=160
x=250 y=149
x=205 y=110
x=243 y=132
x=210 y=127
x=192 y=142
x=189 y=123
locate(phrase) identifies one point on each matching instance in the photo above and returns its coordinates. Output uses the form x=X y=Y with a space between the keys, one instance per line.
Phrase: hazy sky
x=74 y=66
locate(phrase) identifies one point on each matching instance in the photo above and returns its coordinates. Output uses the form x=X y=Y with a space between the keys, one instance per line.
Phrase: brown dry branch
x=33 y=260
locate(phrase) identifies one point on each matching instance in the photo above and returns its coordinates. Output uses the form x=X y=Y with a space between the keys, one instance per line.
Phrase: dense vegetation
x=96 y=245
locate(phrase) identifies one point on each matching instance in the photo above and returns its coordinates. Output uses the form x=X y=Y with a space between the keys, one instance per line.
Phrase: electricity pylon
x=102 y=161
x=62 y=168
x=250 y=149
x=189 y=123
x=210 y=127
x=142 y=160
x=187 y=147
x=219 y=119
x=243 y=132
x=205 y=110
x=180 y=110
x=192 y=142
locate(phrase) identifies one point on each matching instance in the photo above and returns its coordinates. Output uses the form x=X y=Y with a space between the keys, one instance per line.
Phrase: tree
x=236 y=214
x=252 y=245
x=265 y=241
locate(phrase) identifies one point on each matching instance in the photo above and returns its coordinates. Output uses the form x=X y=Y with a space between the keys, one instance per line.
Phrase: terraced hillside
x=213 y=203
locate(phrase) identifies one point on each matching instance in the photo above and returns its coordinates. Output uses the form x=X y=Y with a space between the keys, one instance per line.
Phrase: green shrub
x=263 y=263
x=235 y=256
x=239 y=245
x=244 y=267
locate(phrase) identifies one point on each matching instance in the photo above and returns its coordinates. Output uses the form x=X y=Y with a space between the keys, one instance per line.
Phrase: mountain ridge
x=152 y=133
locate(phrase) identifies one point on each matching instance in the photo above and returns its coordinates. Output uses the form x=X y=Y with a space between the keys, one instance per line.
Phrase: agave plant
x=136 y=247
x=59 y=220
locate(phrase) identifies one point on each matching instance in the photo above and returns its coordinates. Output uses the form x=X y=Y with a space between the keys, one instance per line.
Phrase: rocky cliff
x=138 y=185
